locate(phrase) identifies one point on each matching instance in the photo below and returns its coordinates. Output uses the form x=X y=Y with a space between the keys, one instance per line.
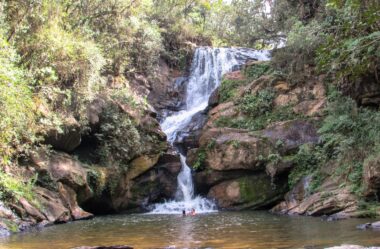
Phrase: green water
x=218 y=230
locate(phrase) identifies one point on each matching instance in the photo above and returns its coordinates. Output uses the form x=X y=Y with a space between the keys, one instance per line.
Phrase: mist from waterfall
x=208 y=66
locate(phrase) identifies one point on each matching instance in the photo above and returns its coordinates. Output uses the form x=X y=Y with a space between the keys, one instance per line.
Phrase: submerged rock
x=351 y=247
x=374 y=225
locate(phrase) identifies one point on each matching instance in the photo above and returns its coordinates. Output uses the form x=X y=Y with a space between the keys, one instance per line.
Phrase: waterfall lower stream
x=208 y=66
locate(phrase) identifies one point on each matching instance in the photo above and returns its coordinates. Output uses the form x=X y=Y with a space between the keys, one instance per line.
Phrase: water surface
x=249 y=229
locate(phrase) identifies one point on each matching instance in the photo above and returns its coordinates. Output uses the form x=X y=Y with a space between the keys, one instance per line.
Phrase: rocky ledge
x=246 y=151
x=117 y=162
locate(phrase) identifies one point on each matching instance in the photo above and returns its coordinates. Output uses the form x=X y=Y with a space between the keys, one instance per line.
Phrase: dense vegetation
x=57 y=56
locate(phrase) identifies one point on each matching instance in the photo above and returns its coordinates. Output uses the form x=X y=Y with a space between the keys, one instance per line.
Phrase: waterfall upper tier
x=206 y=72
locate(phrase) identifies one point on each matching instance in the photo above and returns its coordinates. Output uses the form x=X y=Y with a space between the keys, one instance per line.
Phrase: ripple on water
x=257 y=230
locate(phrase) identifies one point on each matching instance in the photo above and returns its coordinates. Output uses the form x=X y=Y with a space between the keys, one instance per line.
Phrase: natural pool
x=248 y=229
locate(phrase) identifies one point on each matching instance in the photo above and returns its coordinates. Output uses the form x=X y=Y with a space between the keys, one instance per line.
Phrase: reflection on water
x=256 y=230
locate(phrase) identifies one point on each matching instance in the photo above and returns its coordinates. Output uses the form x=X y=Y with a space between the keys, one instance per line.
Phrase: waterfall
x=208 y=66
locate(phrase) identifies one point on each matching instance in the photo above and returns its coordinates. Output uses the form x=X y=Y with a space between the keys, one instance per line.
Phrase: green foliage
x=258 y=122
x=118 y=137
x=258 y=104
x=17 y=110
x=200 y=160
x=307 y=162
x=61 y=56
x=294 y=59
x=368 y=209
x=257 y=70
x=95 y=181
x=352 y=47
x=347 y=126
x=349 y=136
x=274 y=158
x=13 y=188
x=199 y=163
x=227 y=89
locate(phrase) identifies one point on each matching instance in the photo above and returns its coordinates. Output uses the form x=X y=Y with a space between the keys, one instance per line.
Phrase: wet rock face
x=188 y=138
x=248 y=192
x=167 y=92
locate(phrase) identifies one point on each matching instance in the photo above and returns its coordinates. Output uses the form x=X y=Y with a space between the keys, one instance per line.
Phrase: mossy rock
x=248 y=192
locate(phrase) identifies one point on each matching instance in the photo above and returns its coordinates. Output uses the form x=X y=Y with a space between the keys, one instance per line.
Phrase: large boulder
x=231 y=149
x=225 y=110
x=148 y=179
x=52 y=206
x=69 y=199
x=250 y=192
x=94 y=110
x=61 y=167
x=289 y=135
x=329 y=200
x=140 y=165
x=66 y=138
x=205 y=179
x=371 y=176
x=188 y=137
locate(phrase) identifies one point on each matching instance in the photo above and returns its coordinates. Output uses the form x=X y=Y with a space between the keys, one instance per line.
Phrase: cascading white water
x=208 y=66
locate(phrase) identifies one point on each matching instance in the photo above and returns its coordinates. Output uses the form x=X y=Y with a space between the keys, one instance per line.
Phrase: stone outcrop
x=291 y=134
x=329 y=200
x=233 y=156
x=253 y=192
x=132 y=176
x=249 y=169
x=232 y=149
x=66 y=138
x=371 y=176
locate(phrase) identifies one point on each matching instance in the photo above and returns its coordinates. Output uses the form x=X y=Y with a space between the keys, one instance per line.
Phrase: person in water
x=183 y=212
x=192 y=213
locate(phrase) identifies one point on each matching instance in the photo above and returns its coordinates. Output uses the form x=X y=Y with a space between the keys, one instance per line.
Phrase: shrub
x=257 y=70
x=307 y=162
x=17 y=110
x=351 y=50
x=200 y=160
x=303 y=41
x=258 y=104
x=13 y=188
x=118 y=137
x=227 y=89
x=64 y=58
